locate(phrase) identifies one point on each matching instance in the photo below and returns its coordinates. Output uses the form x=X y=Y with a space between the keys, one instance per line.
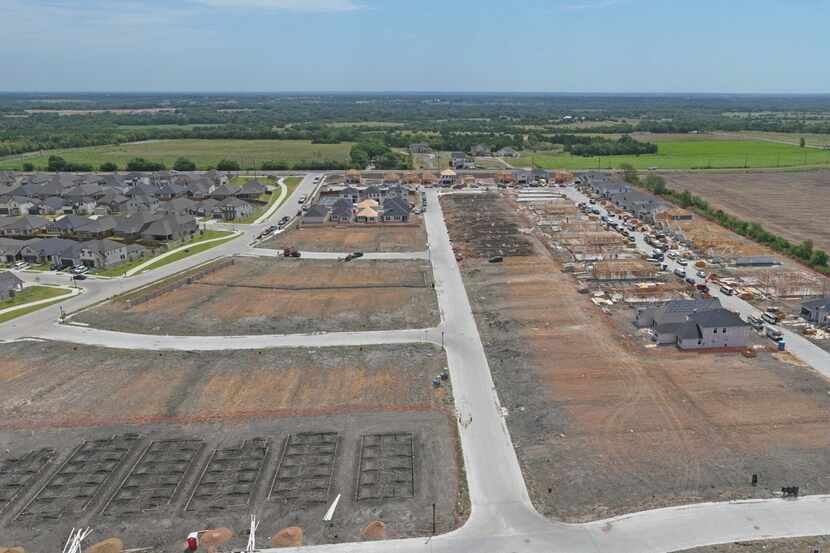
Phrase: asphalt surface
x=502 y=518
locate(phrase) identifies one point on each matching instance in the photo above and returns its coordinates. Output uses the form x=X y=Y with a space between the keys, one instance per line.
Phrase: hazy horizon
x=334 y=46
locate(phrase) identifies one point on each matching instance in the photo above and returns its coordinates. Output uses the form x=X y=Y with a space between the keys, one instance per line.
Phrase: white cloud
x=292 y=5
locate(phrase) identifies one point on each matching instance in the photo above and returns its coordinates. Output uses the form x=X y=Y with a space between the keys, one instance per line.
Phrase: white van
x=727 y=290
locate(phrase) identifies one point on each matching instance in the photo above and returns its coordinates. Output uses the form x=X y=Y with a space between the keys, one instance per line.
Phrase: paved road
x=502 y=518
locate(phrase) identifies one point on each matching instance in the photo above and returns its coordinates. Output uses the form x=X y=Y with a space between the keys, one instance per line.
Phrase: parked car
x=682 y=262
x=496 y=259
x=701 y=274
x=727 y=290
x=291 y=252
x=771 y=318
x=774 y=334
x=703 y=288
x=690 y=280
x=755 y=322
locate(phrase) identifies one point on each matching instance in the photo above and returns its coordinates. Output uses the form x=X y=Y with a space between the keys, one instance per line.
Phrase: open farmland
x=205 y=153
x=795 y=205
x=279 y=296
x=349 y=238
x=603 y=425
x=147 y=446
x=690 y=153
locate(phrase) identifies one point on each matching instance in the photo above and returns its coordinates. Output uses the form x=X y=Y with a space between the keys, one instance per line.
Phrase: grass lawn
x=28 y=295
x=33 y=293
x=204 y=153
x=20 y=312
x=197 y=248
x=119 y=270
x=690 y=154
x=291 y=184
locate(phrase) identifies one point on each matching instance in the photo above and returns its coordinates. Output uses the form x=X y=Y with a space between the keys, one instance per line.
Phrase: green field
x=199 y=247
x=689 y=154
x=205 y=153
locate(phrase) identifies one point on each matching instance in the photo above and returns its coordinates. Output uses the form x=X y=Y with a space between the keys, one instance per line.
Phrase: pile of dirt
x=112 y=545
x=375 y=530
x=288 y=537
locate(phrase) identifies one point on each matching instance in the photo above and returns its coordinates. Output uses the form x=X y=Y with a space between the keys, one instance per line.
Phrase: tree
x=802 y=142
x=141 y=164
x=819 y=258
x=184 y=164
x=228 y=165
x=109 y=167
x=657 y=184
x=28 y=167
x=56 y=164
x=630 y=173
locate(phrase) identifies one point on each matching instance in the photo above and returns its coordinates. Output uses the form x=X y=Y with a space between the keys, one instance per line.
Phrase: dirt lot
x=797 y=545
x=604 y=426
x=280 y=296
x=794 y=205
x=173 y=442
x=350 y=238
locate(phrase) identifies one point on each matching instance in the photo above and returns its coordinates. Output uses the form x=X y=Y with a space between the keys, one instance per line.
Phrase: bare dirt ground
x=281 y=296
x=794 y=205
x=350 y=238
x=796 y=545
x=203 y=440
x=604 y=426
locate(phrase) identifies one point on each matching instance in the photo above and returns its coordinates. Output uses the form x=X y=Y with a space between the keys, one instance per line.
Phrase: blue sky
x=396 y=45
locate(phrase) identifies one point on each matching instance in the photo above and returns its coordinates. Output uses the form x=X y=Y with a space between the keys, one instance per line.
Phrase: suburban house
x=10 y=249
x=665 y=319
x=132 y=226
x=46 y=251
x=353 y=177
x=367 y=215
x=96 y=229
x=100 y=254
x=507 y=152
x=26 y=226
x=316 y=215
x=459 y=160
x=420 y=148
x=17 y=205
x=694 y=324
x=223 y=192
x=342 y=211
x=170 y=227
x=817 y=311
x=10 y=285
x=717 y=328
x=448 y=177
x=480 y=150
x=251 y=190
x=395 y=210
x=233 y=208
